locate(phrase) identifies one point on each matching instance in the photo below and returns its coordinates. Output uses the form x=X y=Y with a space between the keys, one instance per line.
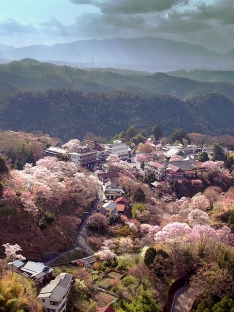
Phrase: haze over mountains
x=107 y=101
x=146 y=54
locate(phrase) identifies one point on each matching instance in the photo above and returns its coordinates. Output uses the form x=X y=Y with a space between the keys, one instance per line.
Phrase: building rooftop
x=36 y=268
x=54 y=149
x=57 y=288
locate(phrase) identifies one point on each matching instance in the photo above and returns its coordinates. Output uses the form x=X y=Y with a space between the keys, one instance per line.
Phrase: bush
x=43 y=223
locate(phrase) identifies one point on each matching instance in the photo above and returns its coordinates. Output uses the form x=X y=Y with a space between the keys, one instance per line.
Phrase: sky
x=209 y=23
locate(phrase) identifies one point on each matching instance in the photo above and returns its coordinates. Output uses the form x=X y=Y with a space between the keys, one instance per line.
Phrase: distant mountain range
x=146 y=54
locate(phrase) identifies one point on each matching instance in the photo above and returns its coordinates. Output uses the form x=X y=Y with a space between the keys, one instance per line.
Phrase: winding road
x=181 y=301
x=81 y=238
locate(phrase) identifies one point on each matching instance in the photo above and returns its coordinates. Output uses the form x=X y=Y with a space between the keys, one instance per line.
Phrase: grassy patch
x=68 y=258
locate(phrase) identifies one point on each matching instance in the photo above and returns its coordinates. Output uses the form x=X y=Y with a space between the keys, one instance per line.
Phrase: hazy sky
x=209 y=23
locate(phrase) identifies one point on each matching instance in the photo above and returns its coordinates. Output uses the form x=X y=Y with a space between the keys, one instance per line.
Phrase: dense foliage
x=69 y=114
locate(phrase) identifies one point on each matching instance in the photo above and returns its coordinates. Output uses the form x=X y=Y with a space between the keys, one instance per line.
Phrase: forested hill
x=71 y=114
x=205 y=75
x=31 y=74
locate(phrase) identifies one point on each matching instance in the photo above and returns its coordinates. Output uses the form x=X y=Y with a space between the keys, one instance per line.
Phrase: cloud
x=131 y=6
x=10 y=26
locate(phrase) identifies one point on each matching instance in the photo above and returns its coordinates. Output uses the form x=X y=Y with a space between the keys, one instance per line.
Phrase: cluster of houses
x=54 y=295
x=90 y=153
x=179 y=162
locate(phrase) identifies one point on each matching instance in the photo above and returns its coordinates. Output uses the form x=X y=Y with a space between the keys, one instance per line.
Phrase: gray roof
x=36 y=268
x=111 y=205
x=57 y=288
x=183 y=164
x=17 y=263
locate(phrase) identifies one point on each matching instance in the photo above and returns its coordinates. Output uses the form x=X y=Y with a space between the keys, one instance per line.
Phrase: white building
x=54 y=296
x=84 y=157
x=118 y=148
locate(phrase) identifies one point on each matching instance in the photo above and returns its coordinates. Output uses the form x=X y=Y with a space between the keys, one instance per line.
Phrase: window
x=53 y=303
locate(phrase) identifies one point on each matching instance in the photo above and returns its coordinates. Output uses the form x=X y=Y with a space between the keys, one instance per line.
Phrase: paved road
x=181 y=300
x=81 y=238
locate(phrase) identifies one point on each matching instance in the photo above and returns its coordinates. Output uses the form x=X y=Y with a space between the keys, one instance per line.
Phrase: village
x=175 y=165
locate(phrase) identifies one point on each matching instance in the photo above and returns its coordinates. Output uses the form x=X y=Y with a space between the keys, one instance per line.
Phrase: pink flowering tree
x=198 y=217
x=203 y=236
x=11 y=252
x=172 y=231
x=105 y=254
x=72 y=145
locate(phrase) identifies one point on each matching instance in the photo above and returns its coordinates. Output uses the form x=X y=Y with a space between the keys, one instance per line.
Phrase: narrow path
x=181 y=300
x=81 y=238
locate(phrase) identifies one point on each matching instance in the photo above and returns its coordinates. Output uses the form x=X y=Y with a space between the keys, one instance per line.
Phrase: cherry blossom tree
x=72 y=145
x=199 y=201
x=196 y=217
x=171 y=231
x=11 y=252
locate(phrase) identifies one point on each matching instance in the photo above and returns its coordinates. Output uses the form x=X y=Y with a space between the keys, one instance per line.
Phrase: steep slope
x=70 y=114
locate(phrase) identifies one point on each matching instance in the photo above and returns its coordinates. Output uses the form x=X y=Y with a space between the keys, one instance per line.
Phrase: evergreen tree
x=3 y=167
x=139 y=195
x=179 y=135
x=203 y=156
x=150 y=254
x=157 y=132
x=218 y=152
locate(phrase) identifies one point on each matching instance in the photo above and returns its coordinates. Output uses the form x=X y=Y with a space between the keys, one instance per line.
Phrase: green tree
x=149 y=178
x=3 y=167
x=179 y=135
x=135 y=208
x=150 y=254
x=131 y=132
x=139 y=195
x=203 y=156
x=229 y=161
x=144 y=133
x=141 y=302
x=157 y=132
x=138 y=139
x=218 y=152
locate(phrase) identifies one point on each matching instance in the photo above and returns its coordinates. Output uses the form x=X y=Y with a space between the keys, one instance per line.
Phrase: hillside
x=70 y=114
x=31 y=74
x=205 y=75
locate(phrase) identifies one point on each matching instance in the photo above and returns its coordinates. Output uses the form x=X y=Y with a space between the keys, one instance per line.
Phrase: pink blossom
x=198 y=217
x=171 y=231
x=225 y=235
x=72 y=145
x=105 y=254
x=209 y=165
x=11 y=250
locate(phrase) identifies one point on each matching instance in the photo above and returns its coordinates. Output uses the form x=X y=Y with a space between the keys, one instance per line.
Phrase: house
x=109 y=176
x=15 y=266
x=122 y=204
x=37 y=271
x=159 y=171
x=85 y=156
x=53 y=297
x=93 y=145
x=118 y=148
x=106 y=309
x=108 y=209
x=87 y=262
x=111 y=193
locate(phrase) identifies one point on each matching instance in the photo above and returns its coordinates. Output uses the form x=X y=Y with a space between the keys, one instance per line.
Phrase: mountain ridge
x=143 y=53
